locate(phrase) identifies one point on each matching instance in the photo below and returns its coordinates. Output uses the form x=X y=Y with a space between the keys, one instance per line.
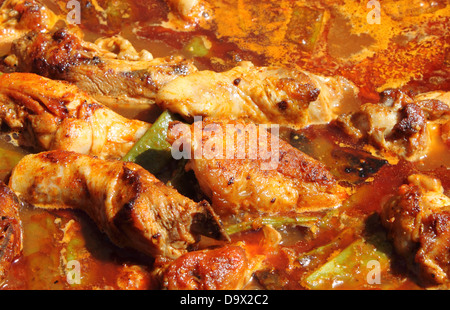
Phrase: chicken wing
x=10 y=230
x=127 y=202
x=108 y=71
x=61 y=116
x=244 y=168
x=417 y=220
x=268 y=95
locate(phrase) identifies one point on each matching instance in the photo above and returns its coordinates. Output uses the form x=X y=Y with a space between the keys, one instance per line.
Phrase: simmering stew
x=228 y=144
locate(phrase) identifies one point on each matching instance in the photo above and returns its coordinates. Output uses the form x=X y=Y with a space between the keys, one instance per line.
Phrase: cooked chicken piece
x=127 y=202
x=10 y=230
x=397 y=125
x=121 y=80
x=436 y=105
x=441 y=96
x=268 y=95
x=418 y=222
x=220 y=266
x=186 y=14
x=62 y=117
x=121 y=48
x=245 y=169
x=228 y=267
x=185 y=8
x=189 y=10
x=17 y=17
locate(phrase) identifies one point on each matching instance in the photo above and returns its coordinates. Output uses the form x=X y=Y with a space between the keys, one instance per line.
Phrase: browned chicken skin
x=267 y=95
x=136 y=210
x=398 y=124
x=17 y=17
x=417 y=220
x=110 y=69
x=116 y=75
x=118 y=79
x=127 y=202
x=61 y=116
x=225 y=268
x=249 y=170
x=10 y=230
x=220 y=267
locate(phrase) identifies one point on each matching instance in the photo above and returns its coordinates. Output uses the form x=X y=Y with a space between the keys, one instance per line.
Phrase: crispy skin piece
x=219 y=267
x=225 y=268
x=10 y=230
x=396 y=126
x=127 y=202
x=262 y=94
x=245 y=169
x=61 y=116
x=110 y=78
x=417 y=220
x=17 y=17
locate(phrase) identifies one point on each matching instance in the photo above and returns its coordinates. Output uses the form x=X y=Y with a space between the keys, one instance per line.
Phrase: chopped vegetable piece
x=401 y=8
x=354 y=266
x=273 y=221
x=74 y=246
x=322 y=253
x=117 y=11
x=152 y=151
x=305 y=26
x=116 y=8
x=198 y=46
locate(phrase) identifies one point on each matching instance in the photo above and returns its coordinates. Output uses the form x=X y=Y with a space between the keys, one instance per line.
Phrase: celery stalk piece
x=152 y=151
x=305 y=26
x=352 y=266
x=273 y=221
x=318 y=254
